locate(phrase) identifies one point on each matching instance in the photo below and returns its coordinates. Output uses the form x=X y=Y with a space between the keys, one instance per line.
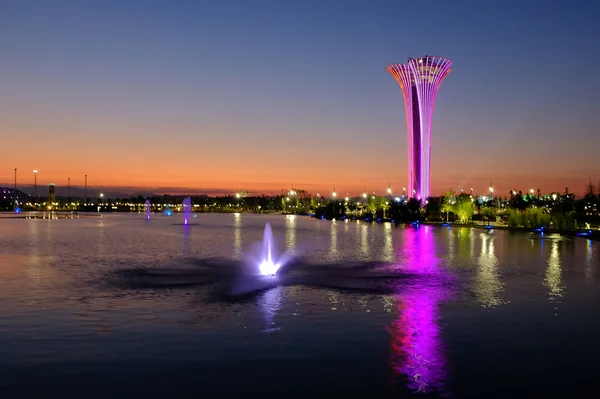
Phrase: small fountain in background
x=168 y=211
x=147 y=209
x=187 y=209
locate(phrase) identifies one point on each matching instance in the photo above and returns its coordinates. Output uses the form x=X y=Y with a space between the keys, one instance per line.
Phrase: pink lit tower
x=420 y=79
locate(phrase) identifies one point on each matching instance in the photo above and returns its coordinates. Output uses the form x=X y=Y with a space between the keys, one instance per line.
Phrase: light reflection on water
x=589 y=268
x=237 y=235
x=487 y=285
x=333 y=243
x=53 y=284
x=290 y=232
x=553 y=274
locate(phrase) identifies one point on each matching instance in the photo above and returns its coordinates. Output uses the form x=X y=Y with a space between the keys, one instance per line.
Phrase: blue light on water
x=168 y=212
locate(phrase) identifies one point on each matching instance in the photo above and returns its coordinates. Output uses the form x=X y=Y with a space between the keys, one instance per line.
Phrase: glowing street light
x=35 y=182
x=532 y=191
x=554 y=197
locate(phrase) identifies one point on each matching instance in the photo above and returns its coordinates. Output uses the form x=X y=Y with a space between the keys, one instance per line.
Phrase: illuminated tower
x=420 y=79
x=51 y=195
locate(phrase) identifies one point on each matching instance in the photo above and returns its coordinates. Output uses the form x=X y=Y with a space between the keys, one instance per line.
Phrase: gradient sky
x=262 y=95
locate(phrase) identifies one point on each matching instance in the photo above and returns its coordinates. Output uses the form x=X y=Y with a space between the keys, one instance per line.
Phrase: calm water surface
x=476 y=313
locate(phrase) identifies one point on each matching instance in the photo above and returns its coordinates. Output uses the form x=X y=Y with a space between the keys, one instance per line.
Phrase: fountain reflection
x=186 y=247
x=417 y=353
x=270 y=303
x=553 y=274
x=487 y=285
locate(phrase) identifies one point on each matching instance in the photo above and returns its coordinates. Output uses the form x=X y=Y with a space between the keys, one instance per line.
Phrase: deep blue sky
x=236 y=94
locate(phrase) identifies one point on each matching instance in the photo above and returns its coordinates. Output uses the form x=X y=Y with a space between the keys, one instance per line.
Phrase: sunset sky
x=263 y=95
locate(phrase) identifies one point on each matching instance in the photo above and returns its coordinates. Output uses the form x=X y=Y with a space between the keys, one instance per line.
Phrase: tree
x=372 y=205
x=432 y=207
x=488 y=213
x=448 y=203
x=590 y=195
x=464 y=208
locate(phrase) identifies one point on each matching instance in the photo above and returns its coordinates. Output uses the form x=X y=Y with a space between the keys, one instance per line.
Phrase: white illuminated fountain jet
x=268 y=266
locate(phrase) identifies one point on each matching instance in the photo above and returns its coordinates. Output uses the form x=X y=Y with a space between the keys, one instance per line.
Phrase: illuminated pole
x=35 y=182
x=15 y=191
x=85 y=191
x=419 y=80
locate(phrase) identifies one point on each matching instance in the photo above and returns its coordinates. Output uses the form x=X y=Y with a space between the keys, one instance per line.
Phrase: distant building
x=51 y=194
x=9 y=195
x=419 y=80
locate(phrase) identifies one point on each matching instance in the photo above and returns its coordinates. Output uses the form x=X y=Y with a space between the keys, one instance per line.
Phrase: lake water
x=120 y=306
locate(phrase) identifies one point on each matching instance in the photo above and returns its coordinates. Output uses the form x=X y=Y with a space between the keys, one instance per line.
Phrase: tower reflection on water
x=417 y=350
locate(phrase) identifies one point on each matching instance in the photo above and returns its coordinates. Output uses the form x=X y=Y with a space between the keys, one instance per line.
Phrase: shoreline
x=592 y=235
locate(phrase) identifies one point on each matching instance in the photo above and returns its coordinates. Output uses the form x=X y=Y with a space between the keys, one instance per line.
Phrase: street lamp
x=35 y=182
x=15 y=193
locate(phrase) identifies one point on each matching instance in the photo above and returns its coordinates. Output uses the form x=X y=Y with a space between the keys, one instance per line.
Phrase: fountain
x=268 y=266
x=147 y=209
x=187 y=208
x=168 y=211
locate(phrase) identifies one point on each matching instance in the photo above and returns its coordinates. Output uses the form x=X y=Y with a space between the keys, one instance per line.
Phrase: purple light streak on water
x=417 y=352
